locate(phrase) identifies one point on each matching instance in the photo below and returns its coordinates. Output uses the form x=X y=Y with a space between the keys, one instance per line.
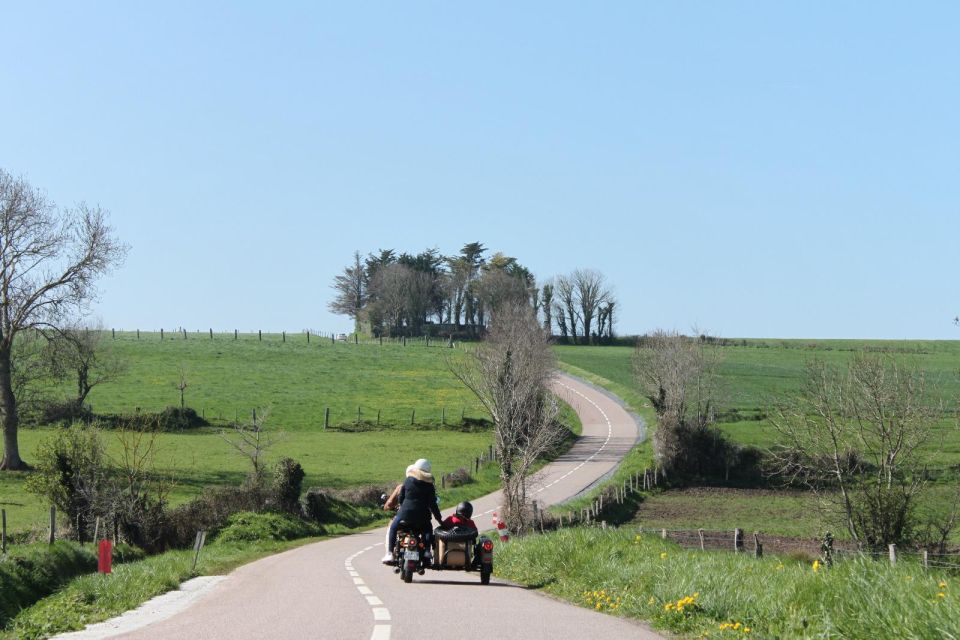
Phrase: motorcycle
x=451 y=550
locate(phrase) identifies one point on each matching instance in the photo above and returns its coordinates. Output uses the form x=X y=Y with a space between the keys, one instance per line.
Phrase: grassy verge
x=93 y=598
x=720 y=594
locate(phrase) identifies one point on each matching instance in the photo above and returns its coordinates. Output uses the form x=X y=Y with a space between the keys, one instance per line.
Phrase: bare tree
x=81 y=353
x=591 y=293
x=678 y=375
x=854 y=437
x=182 y=385
x=252 y=440
x=351 y=291
x=546 y=303
x=568 y=315
x=50 y=260
x=510 y=373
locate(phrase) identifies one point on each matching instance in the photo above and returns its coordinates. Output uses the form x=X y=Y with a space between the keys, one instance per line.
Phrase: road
x=338 y=588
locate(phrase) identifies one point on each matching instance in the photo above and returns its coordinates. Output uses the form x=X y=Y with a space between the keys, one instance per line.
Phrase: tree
x=510 y=373
x=590 y=294
x=80 y=353
x=568 y=315
x=351 y=291
x=546 y=303
x=50 y=260
x=855 y=437
x=678 y=375
x=251 y=441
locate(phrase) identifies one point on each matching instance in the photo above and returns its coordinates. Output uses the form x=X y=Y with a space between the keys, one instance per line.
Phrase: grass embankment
x=754 y=373
x=721 y=594
x=93 y=598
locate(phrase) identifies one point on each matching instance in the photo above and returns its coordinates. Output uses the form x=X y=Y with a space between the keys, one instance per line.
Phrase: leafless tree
x=80 y=353
x=351 y=291
x=591 y=294
x=678 y=374
x=510 y=373
x=568 y=314
x=182 y=385
x=50 y=260
x=854 y=436
x=252 y=440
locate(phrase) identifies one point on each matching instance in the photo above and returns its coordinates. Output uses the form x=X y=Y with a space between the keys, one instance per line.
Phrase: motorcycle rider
x=418 y=501
x=392 y=504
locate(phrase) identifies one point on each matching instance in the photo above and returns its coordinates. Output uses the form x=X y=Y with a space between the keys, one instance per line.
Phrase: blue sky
x=755 y=169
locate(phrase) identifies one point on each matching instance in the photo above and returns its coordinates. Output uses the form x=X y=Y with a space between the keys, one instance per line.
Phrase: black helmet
x=464 y=510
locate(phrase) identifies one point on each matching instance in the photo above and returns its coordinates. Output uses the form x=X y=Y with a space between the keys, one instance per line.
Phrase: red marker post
x=106 y=557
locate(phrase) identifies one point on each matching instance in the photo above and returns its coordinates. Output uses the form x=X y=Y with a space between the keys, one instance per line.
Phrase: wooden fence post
x=358 y=415
x=235 y=334
x=197 y=546
x=326 y=418
x=738 y=540
x=3 y=535
x=893 y=554
x=926 y=559
x=260 y=336
x=443 y=416
x=211 y=333
x=700 y=533
x=378 y=417
x=184 y=333
x=138 y=334
x=663 y=533
x=96 y=531
x=284 y=334
x=113 y=333
x=161 y=333
x=308 y=336
x=53 y=523
x=413 y=415
x=757 y=546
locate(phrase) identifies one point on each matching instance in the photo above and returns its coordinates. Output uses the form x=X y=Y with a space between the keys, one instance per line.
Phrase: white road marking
x=365 y=591
x=380 y=632
x=374 y=600
x=358 y=580
x=381 y=613
x=353 y=574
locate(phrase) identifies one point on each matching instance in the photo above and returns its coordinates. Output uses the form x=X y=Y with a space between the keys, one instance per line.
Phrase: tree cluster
x=411 y=294
x=392 y=295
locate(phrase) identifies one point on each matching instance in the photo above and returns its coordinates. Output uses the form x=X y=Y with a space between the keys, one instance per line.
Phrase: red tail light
x=487 y=545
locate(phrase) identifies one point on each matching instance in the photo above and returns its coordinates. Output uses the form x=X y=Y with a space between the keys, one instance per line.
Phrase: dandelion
x=663 y=556
x=816 y=566
x=652 y=600
x=941 y=595
x=942 y=585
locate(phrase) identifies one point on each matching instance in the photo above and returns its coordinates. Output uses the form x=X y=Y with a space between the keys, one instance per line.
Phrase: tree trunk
x=11 y=419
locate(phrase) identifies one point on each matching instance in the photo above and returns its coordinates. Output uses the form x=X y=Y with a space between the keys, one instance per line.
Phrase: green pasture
x=753 y=376
x=294 y=381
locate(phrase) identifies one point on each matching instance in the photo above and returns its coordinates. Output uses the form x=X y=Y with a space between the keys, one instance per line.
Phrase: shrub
x=210 y=512
x=71 y=473
x=459 y=478
x=251 y=527
x=287 y=485
x=68 y=411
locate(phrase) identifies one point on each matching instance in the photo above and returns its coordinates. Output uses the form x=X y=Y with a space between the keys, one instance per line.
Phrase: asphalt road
x=338 y=588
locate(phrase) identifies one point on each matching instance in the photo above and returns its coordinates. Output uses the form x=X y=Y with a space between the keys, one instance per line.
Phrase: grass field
x=752 y=377
x=295 y=382
x=716 y=594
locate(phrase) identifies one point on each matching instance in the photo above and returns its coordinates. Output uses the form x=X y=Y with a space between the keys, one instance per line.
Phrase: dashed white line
x=365 y=591
x=374 y=600
x=381 y=632
x=358 y=581
x=381 y=613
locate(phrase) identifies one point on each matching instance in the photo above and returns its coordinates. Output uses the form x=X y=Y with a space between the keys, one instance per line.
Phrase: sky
x=753 y=169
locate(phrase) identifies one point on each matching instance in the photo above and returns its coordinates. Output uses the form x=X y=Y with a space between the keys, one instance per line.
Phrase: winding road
x=338 y=588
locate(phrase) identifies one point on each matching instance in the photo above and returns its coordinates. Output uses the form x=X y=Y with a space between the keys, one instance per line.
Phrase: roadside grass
x=721 y=594
x=94 y=597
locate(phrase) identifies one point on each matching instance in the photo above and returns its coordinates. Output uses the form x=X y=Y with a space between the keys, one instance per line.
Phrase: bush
x=287 y=485
x=210 y=512
x=71 y=473
x=459 y=478
x=349 y=507
x=67 y=411
x=253 y=527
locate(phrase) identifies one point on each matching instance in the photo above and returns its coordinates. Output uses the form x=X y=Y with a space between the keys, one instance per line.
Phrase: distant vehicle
x=342 y=337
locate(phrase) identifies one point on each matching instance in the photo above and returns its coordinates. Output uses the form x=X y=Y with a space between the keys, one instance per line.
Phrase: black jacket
x=418 y=499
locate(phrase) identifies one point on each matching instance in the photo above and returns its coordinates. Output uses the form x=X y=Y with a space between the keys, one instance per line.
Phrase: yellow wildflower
x=663 y=556
x=941 y=595
x=816 y=566
x=651 y=600
x=942 y=585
